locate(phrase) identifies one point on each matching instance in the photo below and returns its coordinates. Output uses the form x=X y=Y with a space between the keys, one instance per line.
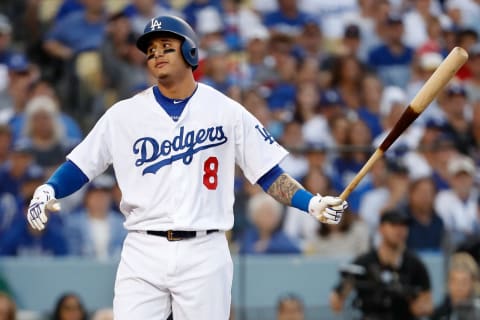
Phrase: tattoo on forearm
x=284 y=188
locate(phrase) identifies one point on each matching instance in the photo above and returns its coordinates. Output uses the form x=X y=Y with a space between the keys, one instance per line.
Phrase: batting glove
x=327 y=209
x=43 y=200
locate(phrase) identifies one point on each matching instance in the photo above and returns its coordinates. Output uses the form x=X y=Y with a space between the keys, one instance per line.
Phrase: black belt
x=175 y=235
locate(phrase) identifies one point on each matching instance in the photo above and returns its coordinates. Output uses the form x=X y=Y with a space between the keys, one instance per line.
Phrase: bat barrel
x=447 y=69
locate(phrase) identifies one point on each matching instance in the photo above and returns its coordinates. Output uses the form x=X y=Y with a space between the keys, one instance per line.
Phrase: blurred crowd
x=328 y=79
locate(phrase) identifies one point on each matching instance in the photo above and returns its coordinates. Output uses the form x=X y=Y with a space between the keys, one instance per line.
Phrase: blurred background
x=327 y=78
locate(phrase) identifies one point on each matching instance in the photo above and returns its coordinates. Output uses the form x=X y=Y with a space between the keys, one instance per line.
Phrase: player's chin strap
x=160 y=53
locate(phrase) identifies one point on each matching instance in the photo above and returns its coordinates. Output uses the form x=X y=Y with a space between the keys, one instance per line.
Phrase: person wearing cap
x=352 y=42
x=390 y=182
x=257 y=67
x=390 y=281
x=95 y=230
x=392 y=59
x=423 y=68
x=217 y=69
x=17 y=167
x=20 y=239
x=456 y=111
x=21 y=74
x=458 y=206
x=392 y=104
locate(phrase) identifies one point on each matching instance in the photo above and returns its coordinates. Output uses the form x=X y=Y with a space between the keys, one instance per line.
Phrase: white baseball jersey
x=178 y=175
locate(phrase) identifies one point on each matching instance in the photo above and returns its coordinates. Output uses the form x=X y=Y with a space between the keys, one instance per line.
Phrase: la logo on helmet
x=156 y=24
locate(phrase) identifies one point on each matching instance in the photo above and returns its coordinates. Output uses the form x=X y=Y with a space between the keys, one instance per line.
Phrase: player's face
x=164 y=59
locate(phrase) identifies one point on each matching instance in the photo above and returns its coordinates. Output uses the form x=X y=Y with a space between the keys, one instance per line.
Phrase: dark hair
x=60 y=302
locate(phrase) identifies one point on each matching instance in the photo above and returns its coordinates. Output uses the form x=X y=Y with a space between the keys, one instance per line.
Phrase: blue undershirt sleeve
x=268 y=178
x=300 y=199
x=67 y=179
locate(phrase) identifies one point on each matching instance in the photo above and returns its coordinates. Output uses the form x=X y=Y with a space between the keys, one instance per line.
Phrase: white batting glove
x=43 y=200
x=327 y=209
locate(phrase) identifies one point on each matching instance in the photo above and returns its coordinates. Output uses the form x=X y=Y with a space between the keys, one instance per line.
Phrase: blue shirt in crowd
x=75 y=32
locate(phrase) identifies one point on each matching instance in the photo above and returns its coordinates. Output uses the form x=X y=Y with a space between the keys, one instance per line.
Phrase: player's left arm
x=286 y=190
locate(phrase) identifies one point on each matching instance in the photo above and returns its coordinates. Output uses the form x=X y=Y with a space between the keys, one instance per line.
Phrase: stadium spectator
x=218 y=69
x=390 y=281
x=288 y=19
x=310 y=43
x=356 y=151
x=434 y=41
x=332 y=107
x=69 y=306
x=77 y=32
x=45 y=133
x=369 y=111
x=5 y=143
x=281 y=99
x=307 y=102
x=472 y=85
x=427 y=63
x=458 y=113
x=95 y=230
x=391 y=59
x=22 y=240
x=256 y=69
x=5 y=39
x=139 y=12
x=44 y=88
x=21 y=75
x=390 y=192
x=193 y=7
x=103 y=314
x=461 y=300
x=19 y=165
x=292 y=138
x=8 y=308
x=426 y=229
x=351 y=43
x=416 y=20
x=392 y=105
x=290 y=307
x=5 y=53
x=347 y=74
x=265 y=235
x=458 y=206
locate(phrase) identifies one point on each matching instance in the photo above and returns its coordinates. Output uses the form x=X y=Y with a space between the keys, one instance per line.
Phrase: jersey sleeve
x=93 y=155
x=256 y=151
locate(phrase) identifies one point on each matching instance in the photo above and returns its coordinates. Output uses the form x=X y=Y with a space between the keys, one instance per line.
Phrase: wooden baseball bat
x=445 y=71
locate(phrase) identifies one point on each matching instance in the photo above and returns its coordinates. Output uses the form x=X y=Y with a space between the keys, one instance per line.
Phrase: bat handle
x=365 y=169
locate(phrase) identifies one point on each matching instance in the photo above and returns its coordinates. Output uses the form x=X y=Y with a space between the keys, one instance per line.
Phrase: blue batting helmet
x=176 y=27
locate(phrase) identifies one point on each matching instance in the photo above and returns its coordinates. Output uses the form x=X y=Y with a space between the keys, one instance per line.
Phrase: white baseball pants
x=191 y=277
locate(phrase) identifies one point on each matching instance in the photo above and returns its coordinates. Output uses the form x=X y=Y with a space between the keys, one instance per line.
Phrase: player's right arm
x=67 y=179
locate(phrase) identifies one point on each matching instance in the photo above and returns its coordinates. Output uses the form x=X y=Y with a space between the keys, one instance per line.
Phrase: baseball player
x=174 y=148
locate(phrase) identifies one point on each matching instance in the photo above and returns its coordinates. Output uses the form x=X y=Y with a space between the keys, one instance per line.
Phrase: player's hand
x=327 y=209
x=43 y=200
